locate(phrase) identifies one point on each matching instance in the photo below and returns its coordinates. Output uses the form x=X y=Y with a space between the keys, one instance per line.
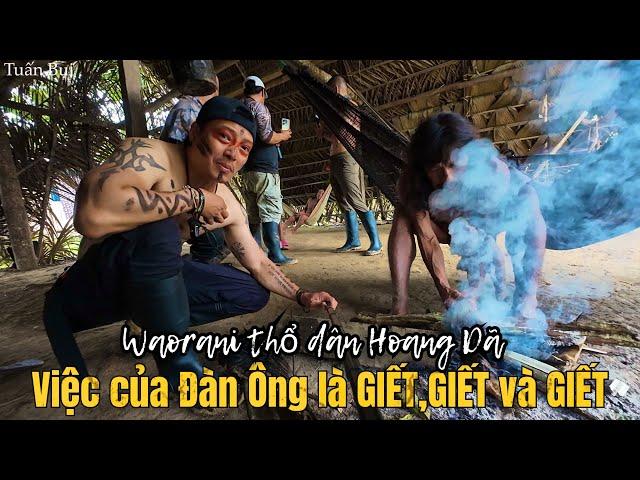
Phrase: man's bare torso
x=170 y=160
x=336 y=147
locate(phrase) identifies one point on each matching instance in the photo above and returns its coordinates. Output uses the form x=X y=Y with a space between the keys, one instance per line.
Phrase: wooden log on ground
x=431 y=321
x=540 y=372
x=599 y=332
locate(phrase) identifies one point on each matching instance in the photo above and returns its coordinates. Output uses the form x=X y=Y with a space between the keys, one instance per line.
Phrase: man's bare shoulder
x=138 y=154
x=237 y=212
x=139 y=160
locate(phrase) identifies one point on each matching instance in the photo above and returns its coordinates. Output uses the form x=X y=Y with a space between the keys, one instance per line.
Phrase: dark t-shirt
x=263 y=157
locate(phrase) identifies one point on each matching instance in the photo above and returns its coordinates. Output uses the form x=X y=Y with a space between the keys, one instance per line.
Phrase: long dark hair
x=432 y=144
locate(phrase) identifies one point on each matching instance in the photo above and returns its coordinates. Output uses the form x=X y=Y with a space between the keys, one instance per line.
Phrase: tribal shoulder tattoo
x=129 y=157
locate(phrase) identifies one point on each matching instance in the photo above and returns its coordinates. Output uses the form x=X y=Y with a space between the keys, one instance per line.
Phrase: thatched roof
x=70 y=120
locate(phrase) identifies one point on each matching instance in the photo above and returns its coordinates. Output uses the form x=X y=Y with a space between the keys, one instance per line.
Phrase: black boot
x=60 y=332
x=272 y=240
x=162 y=307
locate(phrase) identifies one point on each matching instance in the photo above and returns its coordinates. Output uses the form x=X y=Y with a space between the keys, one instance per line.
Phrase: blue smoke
x=597 y=200
x=482 y=198
x=600 y=198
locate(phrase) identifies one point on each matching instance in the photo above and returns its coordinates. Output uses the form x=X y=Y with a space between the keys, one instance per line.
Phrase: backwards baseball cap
x=225 y=108
x=256 y=81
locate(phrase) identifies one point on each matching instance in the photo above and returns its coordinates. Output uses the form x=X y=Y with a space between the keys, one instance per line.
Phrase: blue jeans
x=209 y=247
x=93 y=292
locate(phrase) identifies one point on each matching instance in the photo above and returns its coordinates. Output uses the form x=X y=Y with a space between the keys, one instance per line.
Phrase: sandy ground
x=605 y=277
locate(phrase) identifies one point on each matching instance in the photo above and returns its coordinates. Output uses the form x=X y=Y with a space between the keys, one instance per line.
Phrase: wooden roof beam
x=317 y=162
x=222 y=65
x=305 y=185
x=425 y=71
x=305 y=175
x=451 y=86
x=305 y=152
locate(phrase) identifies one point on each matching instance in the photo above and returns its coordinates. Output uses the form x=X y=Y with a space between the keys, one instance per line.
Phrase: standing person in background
x=209 y=247
x=347 y=181
x=260 y=175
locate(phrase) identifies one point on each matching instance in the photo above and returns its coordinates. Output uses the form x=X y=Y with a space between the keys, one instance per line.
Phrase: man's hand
x=451 y=295
x=286 y=135
x=318 y=300
x=524 y=306
x=215 y=208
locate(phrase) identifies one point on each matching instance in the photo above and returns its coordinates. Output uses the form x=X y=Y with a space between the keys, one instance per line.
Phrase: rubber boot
x=256 y=231
x=272 y=241
x=353 y=235
x=369 y=223
x=162 y=307
x=60 y=333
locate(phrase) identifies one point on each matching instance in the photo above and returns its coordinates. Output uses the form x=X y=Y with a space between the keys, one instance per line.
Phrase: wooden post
x=135 y=121
x=13 y=206
x=44 y=207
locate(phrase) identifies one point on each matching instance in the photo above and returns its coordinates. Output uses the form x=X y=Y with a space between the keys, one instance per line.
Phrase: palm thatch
x=62 y=126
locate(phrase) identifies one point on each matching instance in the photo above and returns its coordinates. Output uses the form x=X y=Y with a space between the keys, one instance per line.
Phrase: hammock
x=288 y=209
x=317 y=211
x=579 y=208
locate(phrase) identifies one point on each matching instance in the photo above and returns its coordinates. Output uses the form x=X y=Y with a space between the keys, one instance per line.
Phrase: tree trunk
x=13 y=206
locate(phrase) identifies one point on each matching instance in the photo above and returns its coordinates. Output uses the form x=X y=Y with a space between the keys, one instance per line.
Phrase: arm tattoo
x=135 y=161
x=151 y=200
x=238 y=250
x=282 y=280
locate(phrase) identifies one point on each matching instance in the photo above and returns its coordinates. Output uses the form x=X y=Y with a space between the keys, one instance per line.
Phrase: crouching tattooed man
x=138 y=208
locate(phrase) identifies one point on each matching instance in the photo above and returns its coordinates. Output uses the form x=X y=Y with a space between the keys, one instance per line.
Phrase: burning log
x=567 y=345
x=21 y=365
x=588 y=348
x=599 y=332
x=540 y=372
x=431 y=321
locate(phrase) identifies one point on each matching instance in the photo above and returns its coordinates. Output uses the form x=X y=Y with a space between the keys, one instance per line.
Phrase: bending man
x=435 y=172
x=298 y=218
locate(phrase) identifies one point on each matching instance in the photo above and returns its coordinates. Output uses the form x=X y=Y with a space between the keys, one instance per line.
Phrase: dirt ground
x=605 y=277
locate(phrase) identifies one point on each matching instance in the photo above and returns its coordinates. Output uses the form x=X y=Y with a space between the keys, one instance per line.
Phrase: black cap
x=225 y=108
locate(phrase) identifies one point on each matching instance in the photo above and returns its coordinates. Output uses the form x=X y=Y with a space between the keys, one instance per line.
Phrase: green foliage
x=58 y=150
